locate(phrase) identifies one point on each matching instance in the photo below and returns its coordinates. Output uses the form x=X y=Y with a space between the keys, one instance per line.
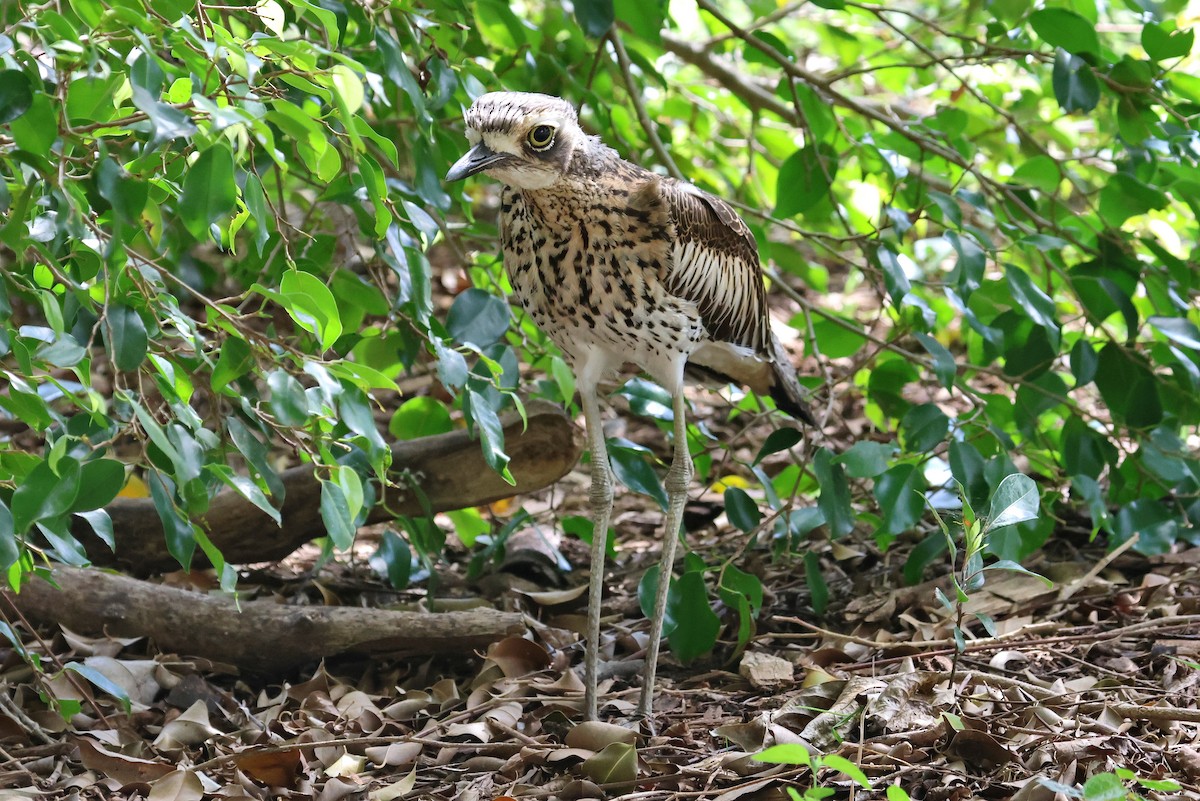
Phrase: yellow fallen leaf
x=725 y=482
x=134 y=488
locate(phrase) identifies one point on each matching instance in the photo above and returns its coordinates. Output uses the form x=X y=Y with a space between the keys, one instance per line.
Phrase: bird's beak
x=476 y=160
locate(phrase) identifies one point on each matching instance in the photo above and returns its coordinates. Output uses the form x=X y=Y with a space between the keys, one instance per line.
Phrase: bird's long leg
x=679 y=478
x=601 y=496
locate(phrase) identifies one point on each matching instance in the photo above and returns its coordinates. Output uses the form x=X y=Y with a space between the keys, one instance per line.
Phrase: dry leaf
x=516 y=656
x=394 y=754
x=395 y=789
x=270 y=768
x=765 y=671
x=179 y=785
x=125 y=769
x=190 y=728
x=595 y=735
x=616 y=764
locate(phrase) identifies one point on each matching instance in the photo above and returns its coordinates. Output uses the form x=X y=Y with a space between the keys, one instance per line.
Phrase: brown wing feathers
x=716 y=266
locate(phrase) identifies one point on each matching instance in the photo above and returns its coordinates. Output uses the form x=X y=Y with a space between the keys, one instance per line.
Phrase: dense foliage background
x=223 y=227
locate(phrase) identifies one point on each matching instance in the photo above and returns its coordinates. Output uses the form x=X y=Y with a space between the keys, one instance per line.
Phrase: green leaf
x=632 y=469
x=840 y=763
x=101 y=682
x=336 y=515
x=901 y=495
x=178 y=530
x=1059 y=27
x=594 y=16
x=694 y=625
x=470 y=525
x=422 y=416
x=126 y=195
x=1031 y=299
x=129 y=339
x=1104 y=787
x=741 y=509
x=16 y=96
x=354 y=409
x=168 y=124
x=644 y=19
x=737 y=582
x=972 y=262
x=1128 y=387
x=491 y=434
x=146 y=74
x=1179 y=330
x=895 y=279
x=1015 y=501
x=784 y=754
x=1075 y=84
x=45 y=493
x=781 y=439
x=100 y=480
x=839 y=339
x=397 y=70
x=90 y=99
x=923 y=428
x=818 y=589
x=10 y=546
x=1041 y=172
x=477 y=318
x=866 y=459
x=288 y=402
x=64 y=351
x=451 y=366
x=922 y=555
x=256 y=204
x=1084 y=362
x=944 y=365
x=1124 y=196
x=834 y=500
x=396 y=557
x=804 y=179
x=310 y=303
x=235 y=361
x=36 y=129
x=1161 y=44
x=209 y=191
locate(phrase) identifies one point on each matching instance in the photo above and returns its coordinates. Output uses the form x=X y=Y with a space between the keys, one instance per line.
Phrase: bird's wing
x=715 y=265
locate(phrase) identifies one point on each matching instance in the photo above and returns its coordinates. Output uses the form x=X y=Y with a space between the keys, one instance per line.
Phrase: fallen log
x=261 y=637
x=447 y=468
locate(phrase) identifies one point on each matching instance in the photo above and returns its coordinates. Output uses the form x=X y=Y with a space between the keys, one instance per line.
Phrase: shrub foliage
x=217 y=228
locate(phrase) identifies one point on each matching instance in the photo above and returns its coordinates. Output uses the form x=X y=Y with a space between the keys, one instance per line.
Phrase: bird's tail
x=786 y=391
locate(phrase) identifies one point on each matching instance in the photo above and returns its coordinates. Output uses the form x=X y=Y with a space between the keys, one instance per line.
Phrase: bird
x=618 y=264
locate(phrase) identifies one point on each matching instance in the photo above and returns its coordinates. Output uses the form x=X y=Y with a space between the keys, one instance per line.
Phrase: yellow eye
x=541 y=137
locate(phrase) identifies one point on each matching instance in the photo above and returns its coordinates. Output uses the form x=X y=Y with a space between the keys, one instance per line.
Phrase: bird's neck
x=587 y=178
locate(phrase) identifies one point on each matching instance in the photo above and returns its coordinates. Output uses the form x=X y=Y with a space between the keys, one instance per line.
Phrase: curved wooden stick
x=448 y=468
x=261 y=637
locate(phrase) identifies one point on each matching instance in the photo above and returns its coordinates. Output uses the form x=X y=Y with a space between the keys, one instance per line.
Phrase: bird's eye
x=541 y=137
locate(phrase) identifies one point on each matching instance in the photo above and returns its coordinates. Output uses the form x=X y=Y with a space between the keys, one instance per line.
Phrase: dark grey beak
x=476 y=160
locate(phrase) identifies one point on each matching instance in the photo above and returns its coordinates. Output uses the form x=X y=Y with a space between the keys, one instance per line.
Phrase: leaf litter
x=1095 y=675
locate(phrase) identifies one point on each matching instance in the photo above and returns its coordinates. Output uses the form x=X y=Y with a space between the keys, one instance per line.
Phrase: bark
x=261 y=637
x=448 y=469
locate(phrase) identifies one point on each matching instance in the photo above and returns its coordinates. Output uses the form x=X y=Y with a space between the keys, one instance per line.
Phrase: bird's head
x=521 y=139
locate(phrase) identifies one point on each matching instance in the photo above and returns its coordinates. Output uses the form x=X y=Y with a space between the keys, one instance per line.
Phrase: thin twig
x=635 y=95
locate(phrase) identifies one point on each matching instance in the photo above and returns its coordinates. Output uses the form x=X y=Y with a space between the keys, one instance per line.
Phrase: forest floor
x=1090 y=682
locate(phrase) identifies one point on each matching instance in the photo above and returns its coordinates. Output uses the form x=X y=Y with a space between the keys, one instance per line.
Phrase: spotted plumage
x=620 y=265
